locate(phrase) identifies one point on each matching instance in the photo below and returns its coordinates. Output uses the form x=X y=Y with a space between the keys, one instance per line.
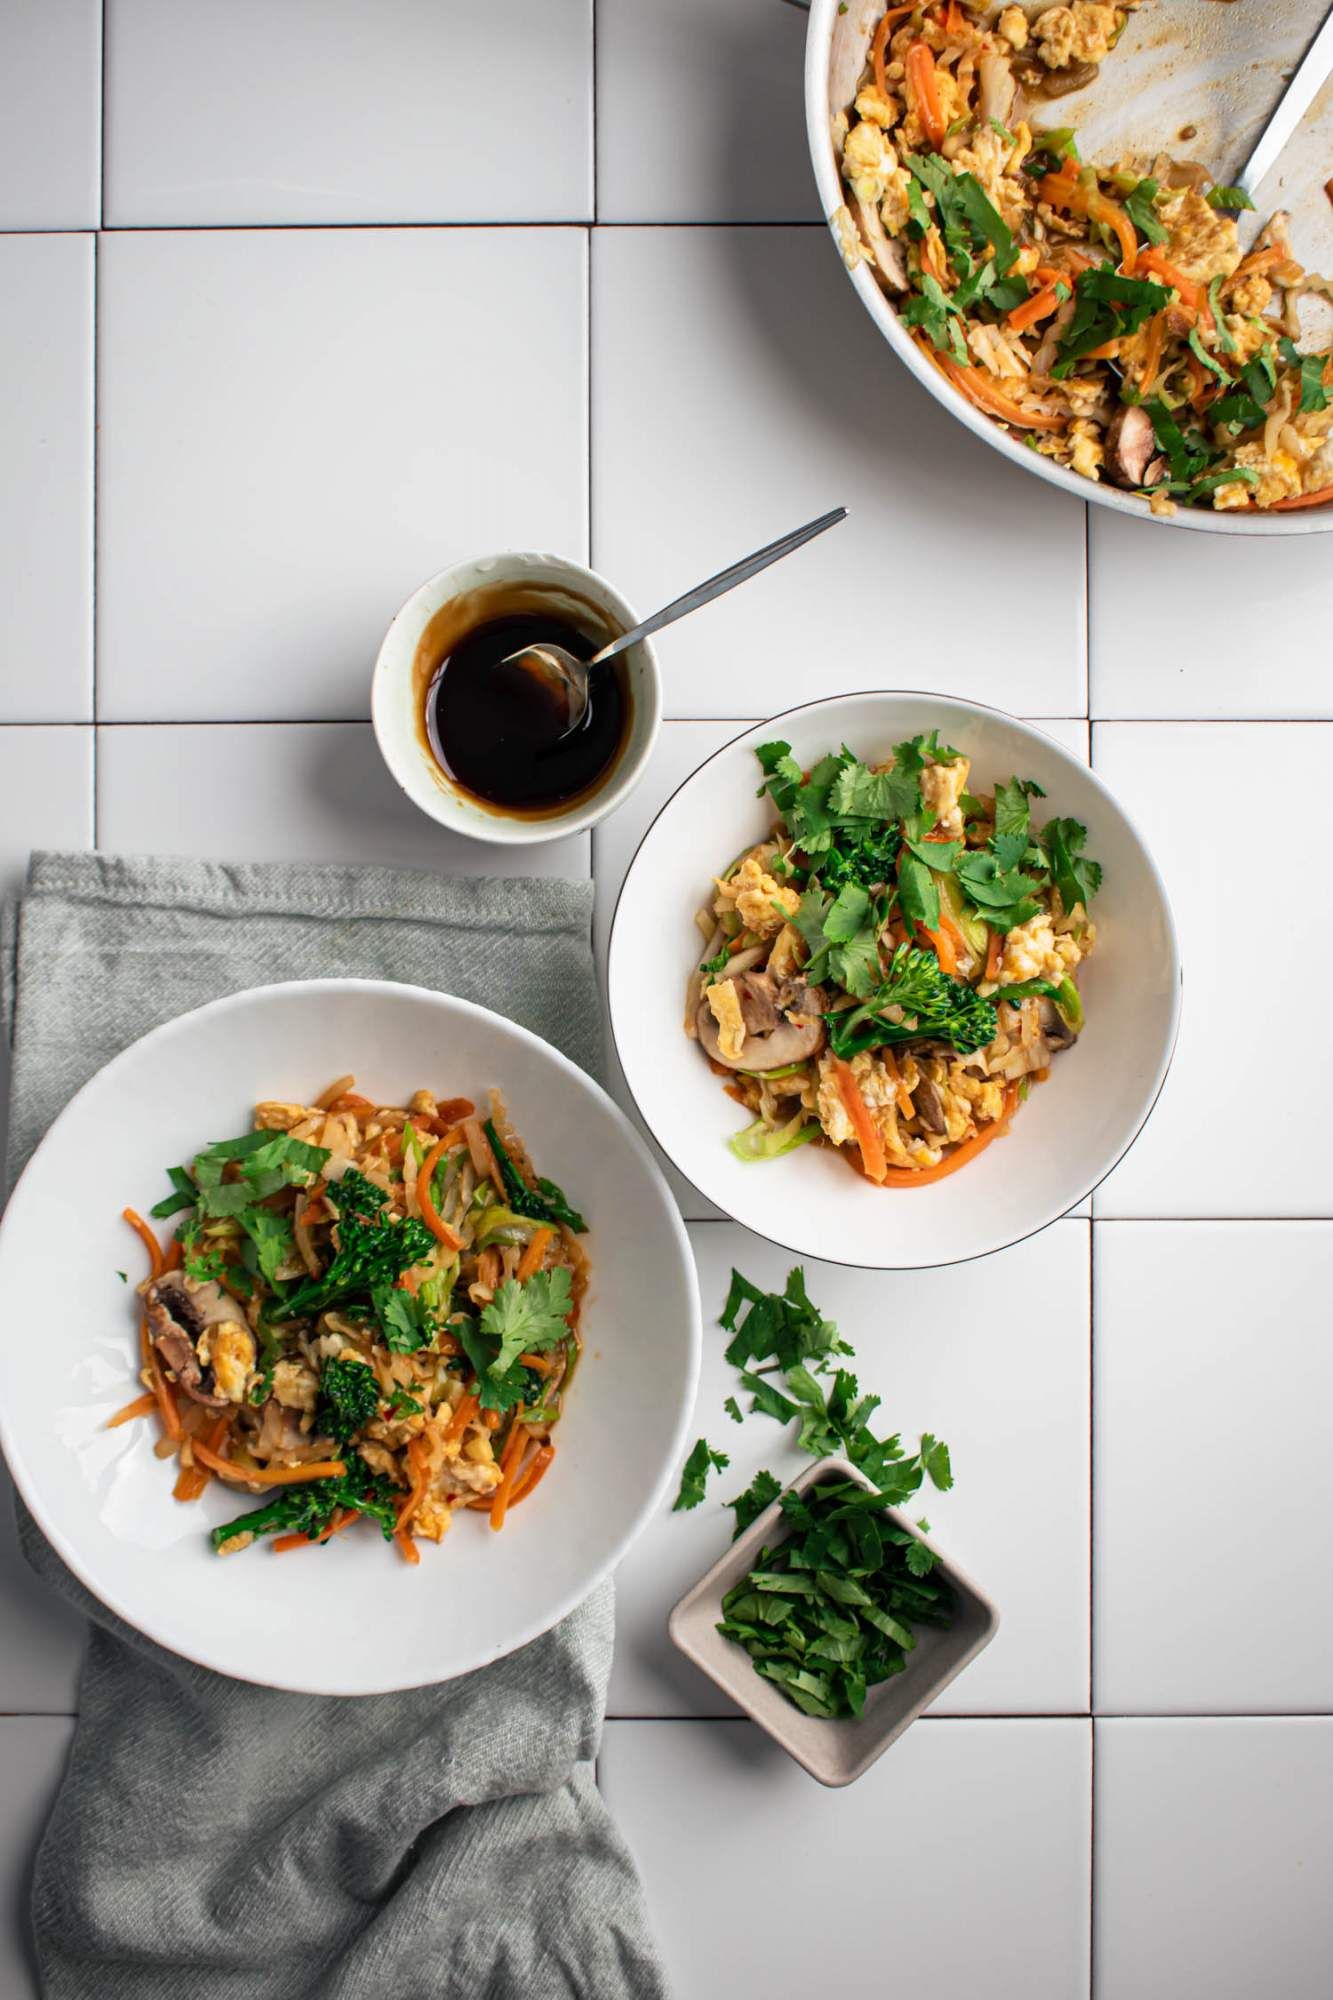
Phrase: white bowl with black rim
x=1063 y=1140
x=104 y=1501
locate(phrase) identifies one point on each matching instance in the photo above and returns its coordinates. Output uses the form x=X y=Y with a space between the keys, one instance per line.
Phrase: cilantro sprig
x=521 y=1319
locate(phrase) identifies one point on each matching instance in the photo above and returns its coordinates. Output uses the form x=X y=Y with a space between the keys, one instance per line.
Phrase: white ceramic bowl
x=1169 y=66
x=396 y=694
x=104 y=1501
x=1064 y=1140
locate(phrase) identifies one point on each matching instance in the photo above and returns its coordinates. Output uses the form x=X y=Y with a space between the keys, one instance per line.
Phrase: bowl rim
x=823 y=17
x=499 y=828
x=735 y=1559
x=1176 y=984
x=151 y=1627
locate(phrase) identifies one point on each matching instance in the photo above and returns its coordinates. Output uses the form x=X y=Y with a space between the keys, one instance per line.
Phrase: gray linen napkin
x=223 y=1840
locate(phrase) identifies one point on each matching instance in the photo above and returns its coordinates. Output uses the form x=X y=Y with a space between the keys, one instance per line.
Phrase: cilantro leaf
x=918 y=892
x=733 y=1410
x=694 y=1474
x=1077 y=878
x=1141 y=212
x=1314 y=396
x=1107 y=306
x=1002 y=895
x=272 y=1237
x=762 y=1491
x=861 y=793
x=528 y=1317
x=403 y=1320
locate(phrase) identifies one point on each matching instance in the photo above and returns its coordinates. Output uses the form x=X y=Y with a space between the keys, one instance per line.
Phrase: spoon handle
x=726 y=579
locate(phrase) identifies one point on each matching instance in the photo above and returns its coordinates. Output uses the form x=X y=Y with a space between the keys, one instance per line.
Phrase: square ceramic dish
x=836 y=1753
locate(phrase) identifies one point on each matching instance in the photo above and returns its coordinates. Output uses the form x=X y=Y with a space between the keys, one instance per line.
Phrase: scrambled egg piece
x=1252 y=294
x=1279 y=476
x=1200 y=242
x=1087 y=455
x=1082 y=32
x=295 y=1386
x=942 y=785
x=989 y=157
x=725 y=1005
x=875 y=109
x=1013 y=26
x=1033 y=951
x=850 y=247
x=232 y=1349
x=1249 y=336
x=752 y=893
x=869 y=162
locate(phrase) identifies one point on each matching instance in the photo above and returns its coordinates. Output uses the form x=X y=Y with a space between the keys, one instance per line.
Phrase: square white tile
x=1201 y=625
x=1210 y=1353
x=46 y=493
x=1211 y=1855
x=957 y=1867
x=950 y=1352
x=275 y=791
x=701 y=113
x=50 y=114
x=297 y=427
x=32 y=1756
x=1212 y=1146
x=334 y=111
x=740 y=389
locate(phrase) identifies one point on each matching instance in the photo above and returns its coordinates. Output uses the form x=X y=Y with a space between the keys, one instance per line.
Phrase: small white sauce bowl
x=397 y=695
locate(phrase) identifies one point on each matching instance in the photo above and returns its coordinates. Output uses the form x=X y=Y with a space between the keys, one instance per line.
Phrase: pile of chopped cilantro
x=824 y=1639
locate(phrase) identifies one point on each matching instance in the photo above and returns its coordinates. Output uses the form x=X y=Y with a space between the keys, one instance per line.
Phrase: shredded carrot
x=418 y=1464
x=1152 y=259
x=430 y=1215
x=979 y=387
x=149 y=1241
x=515 y=1445
x=269 y=1475
x=140 y=1407
x=341 y=1520
x=407 y=1548
x=877 y=45
x=954 y=23
x=1318 y=499
x=192 y=1479
x=1198 y=382
x=867 y=1135
x=1153 y=339
x=531 y=1260
x=536 y=1471
x=905 y=1177
x=539 y=1362
x=922 y=82
x=994 y=953
x=462 y=1417
x=942 y=945
x=1038 y=305
x=174 y=1258
x=1106 y=352
x=166 y=1400
x=1065 y=190
x=902 y=1094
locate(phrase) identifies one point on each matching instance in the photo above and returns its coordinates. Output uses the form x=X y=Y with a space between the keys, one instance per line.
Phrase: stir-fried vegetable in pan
x=1103 y=313
x=366 y=1313
x=891 y=970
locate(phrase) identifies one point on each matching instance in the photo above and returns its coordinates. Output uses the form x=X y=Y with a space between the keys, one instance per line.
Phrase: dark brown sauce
x=493 y=730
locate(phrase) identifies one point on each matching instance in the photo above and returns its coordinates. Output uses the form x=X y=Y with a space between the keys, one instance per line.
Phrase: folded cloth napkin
x=222 y=1840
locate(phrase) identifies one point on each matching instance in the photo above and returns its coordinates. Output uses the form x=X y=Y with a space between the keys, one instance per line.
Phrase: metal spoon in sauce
x=566 y=679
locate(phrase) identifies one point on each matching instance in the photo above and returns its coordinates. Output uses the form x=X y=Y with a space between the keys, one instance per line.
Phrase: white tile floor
x=295 y=423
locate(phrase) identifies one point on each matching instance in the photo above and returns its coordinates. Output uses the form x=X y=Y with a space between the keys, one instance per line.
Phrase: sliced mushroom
x=1056 y=1032
x=758 y=994
x=794 y=1038
x=890 y=260
x=930 y=1106
x=201 y=1334
x=1131 y=447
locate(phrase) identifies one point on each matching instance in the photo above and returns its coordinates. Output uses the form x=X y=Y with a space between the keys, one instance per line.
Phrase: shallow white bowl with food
x=1063 y=1140
x=352 y=1618
x=1177 y=61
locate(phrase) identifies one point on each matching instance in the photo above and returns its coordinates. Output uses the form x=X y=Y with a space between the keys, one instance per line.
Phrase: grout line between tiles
x=1092 y=1861
x=1092 y=1465
x=730 y=721
x=96 y=439
x=101 y=122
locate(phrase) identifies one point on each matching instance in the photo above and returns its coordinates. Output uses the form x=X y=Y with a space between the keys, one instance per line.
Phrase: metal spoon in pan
x=566 y=679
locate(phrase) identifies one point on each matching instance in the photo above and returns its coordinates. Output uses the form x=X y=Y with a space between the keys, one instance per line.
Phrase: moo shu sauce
x=497 y=732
